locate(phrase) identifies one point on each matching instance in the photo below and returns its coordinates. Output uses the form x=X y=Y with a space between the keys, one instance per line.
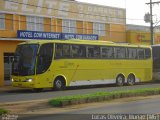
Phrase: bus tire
x=131 y=79
x=120 y=80
x=59 y=83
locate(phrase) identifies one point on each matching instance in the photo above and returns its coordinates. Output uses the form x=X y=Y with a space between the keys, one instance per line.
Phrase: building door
x=8 y=57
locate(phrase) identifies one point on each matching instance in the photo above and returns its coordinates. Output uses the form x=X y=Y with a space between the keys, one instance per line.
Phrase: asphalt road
x=27 y=95
x=144 y=109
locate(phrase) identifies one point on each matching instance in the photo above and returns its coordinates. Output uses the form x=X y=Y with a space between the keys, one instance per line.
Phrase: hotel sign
x=67 y=36
x=65 y=9
x=22 y=34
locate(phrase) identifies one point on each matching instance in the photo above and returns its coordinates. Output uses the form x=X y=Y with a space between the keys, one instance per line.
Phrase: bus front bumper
x=23 y=84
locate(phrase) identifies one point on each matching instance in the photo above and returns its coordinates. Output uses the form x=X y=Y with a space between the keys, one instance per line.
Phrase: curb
x=21 y=102
x=123 y=94
x=4 y=89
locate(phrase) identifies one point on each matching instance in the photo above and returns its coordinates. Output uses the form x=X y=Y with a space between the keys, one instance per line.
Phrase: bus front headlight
x=29 y=80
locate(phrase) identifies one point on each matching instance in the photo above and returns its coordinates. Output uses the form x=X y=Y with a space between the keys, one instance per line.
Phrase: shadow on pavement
x=10 y=89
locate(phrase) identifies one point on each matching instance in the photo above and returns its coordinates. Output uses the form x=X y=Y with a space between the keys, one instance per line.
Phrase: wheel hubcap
x=120 y=80
x=58 y=84
x=131 y=80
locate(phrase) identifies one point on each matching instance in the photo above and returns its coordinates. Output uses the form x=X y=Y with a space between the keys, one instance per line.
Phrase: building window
x=99 y=28
x=35 y=23
x=2 y=21
x=69 y=26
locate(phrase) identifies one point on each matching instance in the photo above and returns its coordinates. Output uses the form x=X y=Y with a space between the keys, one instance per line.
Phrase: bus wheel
x=59 y=84
x=120 y=80
x=131 y=79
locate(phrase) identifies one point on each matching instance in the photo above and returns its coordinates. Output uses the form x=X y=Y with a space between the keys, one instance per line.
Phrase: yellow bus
x=62 y=63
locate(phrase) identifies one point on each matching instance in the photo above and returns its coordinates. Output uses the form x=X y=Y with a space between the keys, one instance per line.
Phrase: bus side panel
x=87 y=70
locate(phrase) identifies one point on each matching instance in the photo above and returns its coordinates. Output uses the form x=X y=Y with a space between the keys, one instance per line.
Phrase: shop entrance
x=8 y=57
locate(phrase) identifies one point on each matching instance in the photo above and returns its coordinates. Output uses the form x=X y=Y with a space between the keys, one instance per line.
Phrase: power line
x=158 y=2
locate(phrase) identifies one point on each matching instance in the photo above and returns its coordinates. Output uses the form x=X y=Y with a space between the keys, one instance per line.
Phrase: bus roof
x=87 y=42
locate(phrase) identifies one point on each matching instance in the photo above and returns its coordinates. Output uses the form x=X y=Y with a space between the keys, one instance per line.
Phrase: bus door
x=43 y=70
x=8 y=57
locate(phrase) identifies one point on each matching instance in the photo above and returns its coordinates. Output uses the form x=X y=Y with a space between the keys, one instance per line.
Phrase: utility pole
x=151 y=20
x=151 y=24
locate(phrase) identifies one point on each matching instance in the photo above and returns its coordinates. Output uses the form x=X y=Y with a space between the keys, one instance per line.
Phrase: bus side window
x=58 y=51
x=132 y=53
x=111 y=52
x=107 y=52
x=120 y=53
x=66 y=51
x=93 y=52
x=104 y=52
x=82 y=51
x=96 y=52
x=140 y=53
x=127 y=53
x=75 y=51
x=90 y=51
x=147 y=53
x=78 y=51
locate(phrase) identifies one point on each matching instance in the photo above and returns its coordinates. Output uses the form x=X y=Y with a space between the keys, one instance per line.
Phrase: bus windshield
x=25 y=59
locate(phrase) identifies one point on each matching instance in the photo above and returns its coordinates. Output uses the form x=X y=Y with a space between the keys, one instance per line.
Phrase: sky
x=135 y=9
